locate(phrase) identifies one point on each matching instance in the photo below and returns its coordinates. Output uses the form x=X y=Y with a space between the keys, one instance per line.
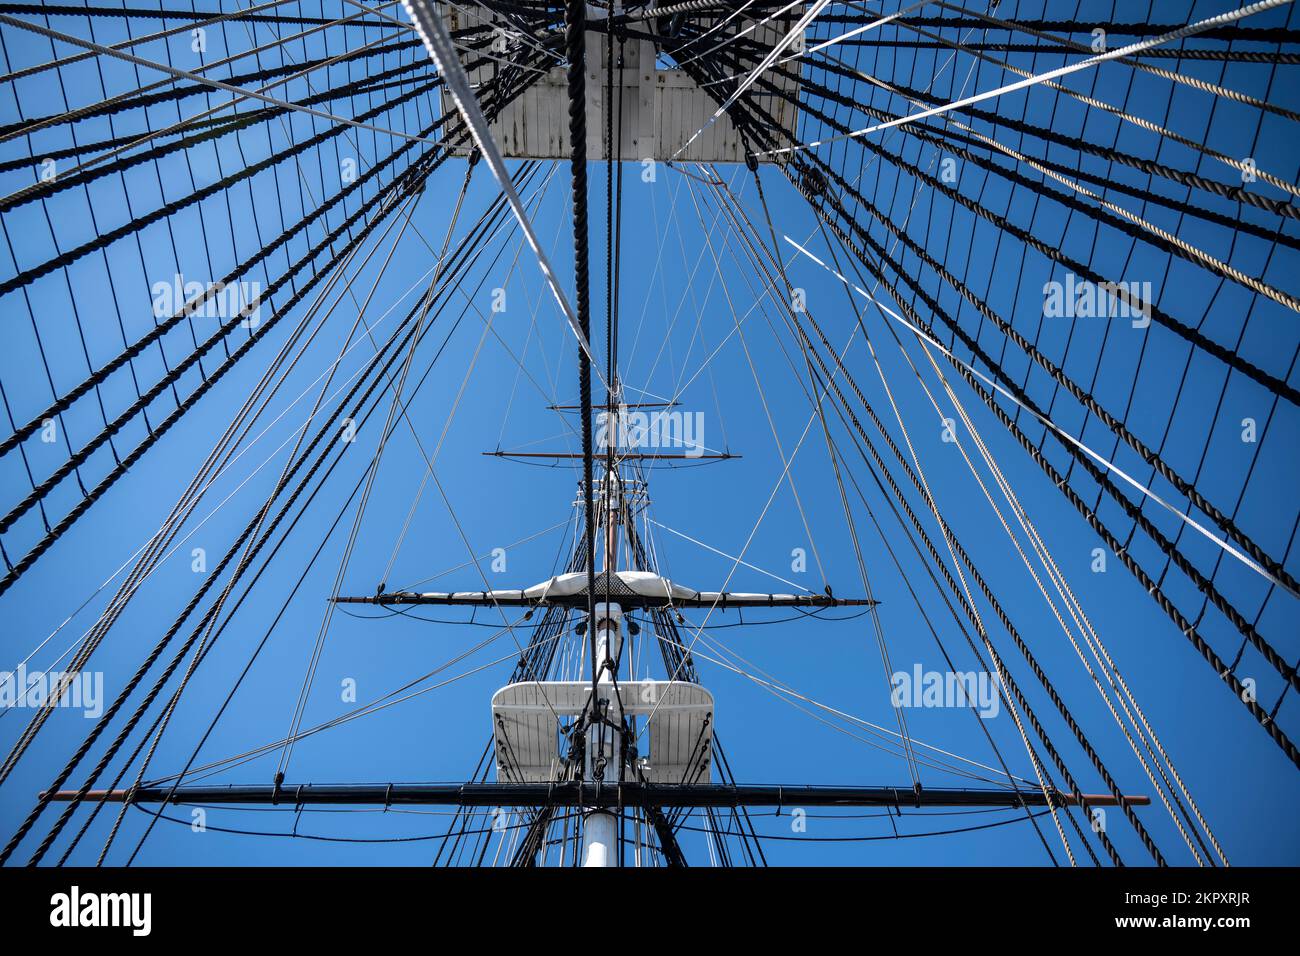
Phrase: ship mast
x=604 y=745
x=612 y=778
x=608 y=745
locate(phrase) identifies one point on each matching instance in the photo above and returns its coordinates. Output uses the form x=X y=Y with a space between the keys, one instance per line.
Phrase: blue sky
x=679 y=304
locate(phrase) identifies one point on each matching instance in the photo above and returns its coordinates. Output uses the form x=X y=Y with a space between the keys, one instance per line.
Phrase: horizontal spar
x=621 y=455
x=516 y=598
x=583 y=794
x=627 y=589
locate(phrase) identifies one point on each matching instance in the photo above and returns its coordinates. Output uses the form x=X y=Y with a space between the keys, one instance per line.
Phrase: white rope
x=796 y=31
x=1189 y=30
x=433 y=32
x=857 y=31
x=707 y=547
x=203 y=80
x=1108 y=465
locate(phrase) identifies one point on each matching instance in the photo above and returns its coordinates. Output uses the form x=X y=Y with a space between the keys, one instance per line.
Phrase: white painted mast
x=656 y=110
x=604 y=754
x=604 y=748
